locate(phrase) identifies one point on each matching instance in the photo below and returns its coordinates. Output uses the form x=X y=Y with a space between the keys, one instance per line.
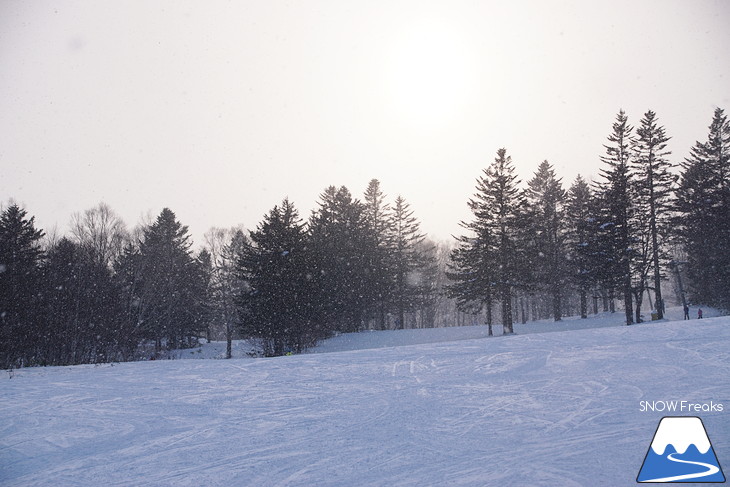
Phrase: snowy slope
x=558 y=408
x=395 y=338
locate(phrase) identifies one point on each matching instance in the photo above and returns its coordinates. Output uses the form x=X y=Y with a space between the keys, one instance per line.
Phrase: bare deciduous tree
x=224 y=246
x=101 y=233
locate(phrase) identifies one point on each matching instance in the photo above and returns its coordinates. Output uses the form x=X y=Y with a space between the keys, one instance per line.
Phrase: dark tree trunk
x=229 y=340
x=489 y=310
x=507 y=309
x=557 y=304
x=628 y=306
x=522 y=310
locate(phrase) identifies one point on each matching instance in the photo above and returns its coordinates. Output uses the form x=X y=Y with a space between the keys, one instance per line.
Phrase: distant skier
x=686 y=312
x=699 y=314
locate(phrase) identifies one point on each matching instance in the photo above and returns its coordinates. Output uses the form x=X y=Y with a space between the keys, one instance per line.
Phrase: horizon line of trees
x=107 y=294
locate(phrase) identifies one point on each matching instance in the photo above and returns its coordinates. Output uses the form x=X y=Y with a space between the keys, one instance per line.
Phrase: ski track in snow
x=711 y=470
x=543 y=409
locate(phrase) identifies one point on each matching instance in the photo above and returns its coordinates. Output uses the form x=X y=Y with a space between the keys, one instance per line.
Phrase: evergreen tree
x=62 y=295
x=428 y=283
x=493 y=254
x=545 y=203
x=379 y=232
x=506 y=200
x=20 y=259
x=341 y=247
x=128 y=277
x=471 y=269
x=696 y=223
x=169 y=288
x=201 y=309
x=641 y=263
x=279 y=304
x=703 y=221
x=472 y=264
x=83 y=308
x=654 y=183
x=580 y=239
x=406 y=238
x=615 y=191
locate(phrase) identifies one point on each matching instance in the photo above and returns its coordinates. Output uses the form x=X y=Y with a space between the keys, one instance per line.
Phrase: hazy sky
x=218 y=110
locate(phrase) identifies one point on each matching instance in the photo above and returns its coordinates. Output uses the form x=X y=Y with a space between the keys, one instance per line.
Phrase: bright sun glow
x=431 y=74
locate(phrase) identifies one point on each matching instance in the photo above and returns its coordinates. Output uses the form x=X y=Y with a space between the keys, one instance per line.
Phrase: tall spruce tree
x=341 y=248
x=64 y=286
x=20 y=260
x=128 y=278
x=580 y=239
x=279 y=305
x=427 y=281
x=379 y=232
x=494 y=253
x=545 y=202
x=472 y=263
x=654 y=182
x=703 y=222
x=406 y=237
x=471 y=268
x=615 y=191
x=697 y=226
x=641 y=262
x=169 y=287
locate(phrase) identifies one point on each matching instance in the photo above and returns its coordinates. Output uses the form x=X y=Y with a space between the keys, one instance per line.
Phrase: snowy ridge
x=680 y=432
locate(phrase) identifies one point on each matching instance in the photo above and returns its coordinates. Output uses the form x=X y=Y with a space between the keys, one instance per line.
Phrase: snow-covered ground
x=377 y=339
x=394 y=338
x=560 y=408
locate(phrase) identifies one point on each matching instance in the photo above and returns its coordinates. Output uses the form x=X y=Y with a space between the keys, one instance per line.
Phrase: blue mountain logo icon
x=681 y=452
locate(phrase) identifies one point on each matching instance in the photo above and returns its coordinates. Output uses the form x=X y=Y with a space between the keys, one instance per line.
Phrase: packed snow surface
x=536 y=409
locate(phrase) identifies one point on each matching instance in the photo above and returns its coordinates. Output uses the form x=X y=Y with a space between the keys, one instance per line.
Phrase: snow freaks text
x=680 y=407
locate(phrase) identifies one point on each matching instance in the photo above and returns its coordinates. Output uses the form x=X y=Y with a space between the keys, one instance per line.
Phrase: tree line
x=353 y=265
x=96 y=295
x=105 y=293
x=613 y=238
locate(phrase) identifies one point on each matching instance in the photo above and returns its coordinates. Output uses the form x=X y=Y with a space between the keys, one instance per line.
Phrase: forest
x=104 y=293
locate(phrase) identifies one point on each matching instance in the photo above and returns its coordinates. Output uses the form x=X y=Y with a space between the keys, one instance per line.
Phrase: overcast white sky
x=218 y=110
